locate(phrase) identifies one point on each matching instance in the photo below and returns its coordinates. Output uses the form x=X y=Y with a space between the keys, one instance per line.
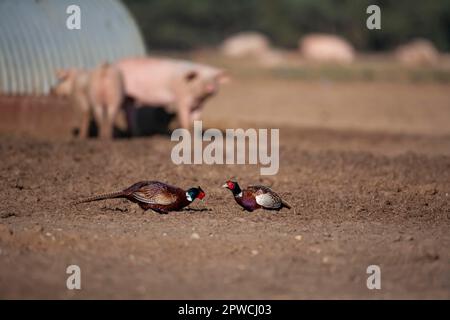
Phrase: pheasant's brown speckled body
x=154 y=195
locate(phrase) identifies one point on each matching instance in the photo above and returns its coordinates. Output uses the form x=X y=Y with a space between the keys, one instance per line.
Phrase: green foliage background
x=187 y=24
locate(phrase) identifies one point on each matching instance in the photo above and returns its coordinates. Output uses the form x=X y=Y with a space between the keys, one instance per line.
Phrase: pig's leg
x=106 y=127
x=84 y=127
x=83 y=109
x=100 y=117
x=196 y=114
x=110 y=117
x=107 y=122
x=184 y=113
x=130 y=111
x=106 y=130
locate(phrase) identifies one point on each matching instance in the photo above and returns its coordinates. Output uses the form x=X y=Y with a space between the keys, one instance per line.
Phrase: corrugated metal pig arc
x=34 y=40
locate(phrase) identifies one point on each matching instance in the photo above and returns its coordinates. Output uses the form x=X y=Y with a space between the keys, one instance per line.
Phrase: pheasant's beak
x=225 y=186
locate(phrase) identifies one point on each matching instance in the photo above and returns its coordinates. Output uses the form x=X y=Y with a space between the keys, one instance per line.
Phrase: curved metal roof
x=35 y=42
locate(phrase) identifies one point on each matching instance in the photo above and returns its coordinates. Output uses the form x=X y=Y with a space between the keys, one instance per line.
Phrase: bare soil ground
x=366 y=166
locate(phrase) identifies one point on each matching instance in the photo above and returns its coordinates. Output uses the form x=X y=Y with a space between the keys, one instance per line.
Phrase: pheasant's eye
x=230 y=185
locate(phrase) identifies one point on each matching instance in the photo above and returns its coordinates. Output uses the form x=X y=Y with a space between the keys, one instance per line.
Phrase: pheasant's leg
x=160 y=211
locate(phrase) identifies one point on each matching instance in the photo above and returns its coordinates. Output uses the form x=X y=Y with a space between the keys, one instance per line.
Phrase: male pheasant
x=256 y=197
x=154 y=195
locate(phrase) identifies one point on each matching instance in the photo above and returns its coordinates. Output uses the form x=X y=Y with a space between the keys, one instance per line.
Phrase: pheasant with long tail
x=154 y=195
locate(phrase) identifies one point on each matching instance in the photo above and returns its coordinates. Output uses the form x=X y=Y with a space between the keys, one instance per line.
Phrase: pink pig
x=179 y=86
x=98 y=92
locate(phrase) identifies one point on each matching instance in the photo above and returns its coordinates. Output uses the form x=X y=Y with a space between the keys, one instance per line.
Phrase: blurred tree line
x=187 y=24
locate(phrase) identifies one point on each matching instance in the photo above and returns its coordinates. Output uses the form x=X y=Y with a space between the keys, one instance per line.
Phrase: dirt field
x=365 y=164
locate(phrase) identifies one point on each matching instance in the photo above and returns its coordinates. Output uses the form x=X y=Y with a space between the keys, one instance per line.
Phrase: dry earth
x=366 y=166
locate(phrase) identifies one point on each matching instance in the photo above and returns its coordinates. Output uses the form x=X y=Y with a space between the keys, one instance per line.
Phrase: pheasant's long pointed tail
x=112 y=195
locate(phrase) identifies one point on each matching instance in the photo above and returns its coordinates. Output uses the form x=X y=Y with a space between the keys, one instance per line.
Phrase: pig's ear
x=191 y=75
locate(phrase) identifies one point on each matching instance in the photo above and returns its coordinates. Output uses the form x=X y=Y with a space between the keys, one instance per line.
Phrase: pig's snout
x=211 y=88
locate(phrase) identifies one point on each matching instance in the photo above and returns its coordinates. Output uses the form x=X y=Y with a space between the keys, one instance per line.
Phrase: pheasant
x=155 y=195
x=256 y=197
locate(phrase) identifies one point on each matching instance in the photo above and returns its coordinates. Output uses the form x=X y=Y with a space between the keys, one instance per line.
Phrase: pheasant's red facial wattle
x=201 y=195
x=230 y=185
